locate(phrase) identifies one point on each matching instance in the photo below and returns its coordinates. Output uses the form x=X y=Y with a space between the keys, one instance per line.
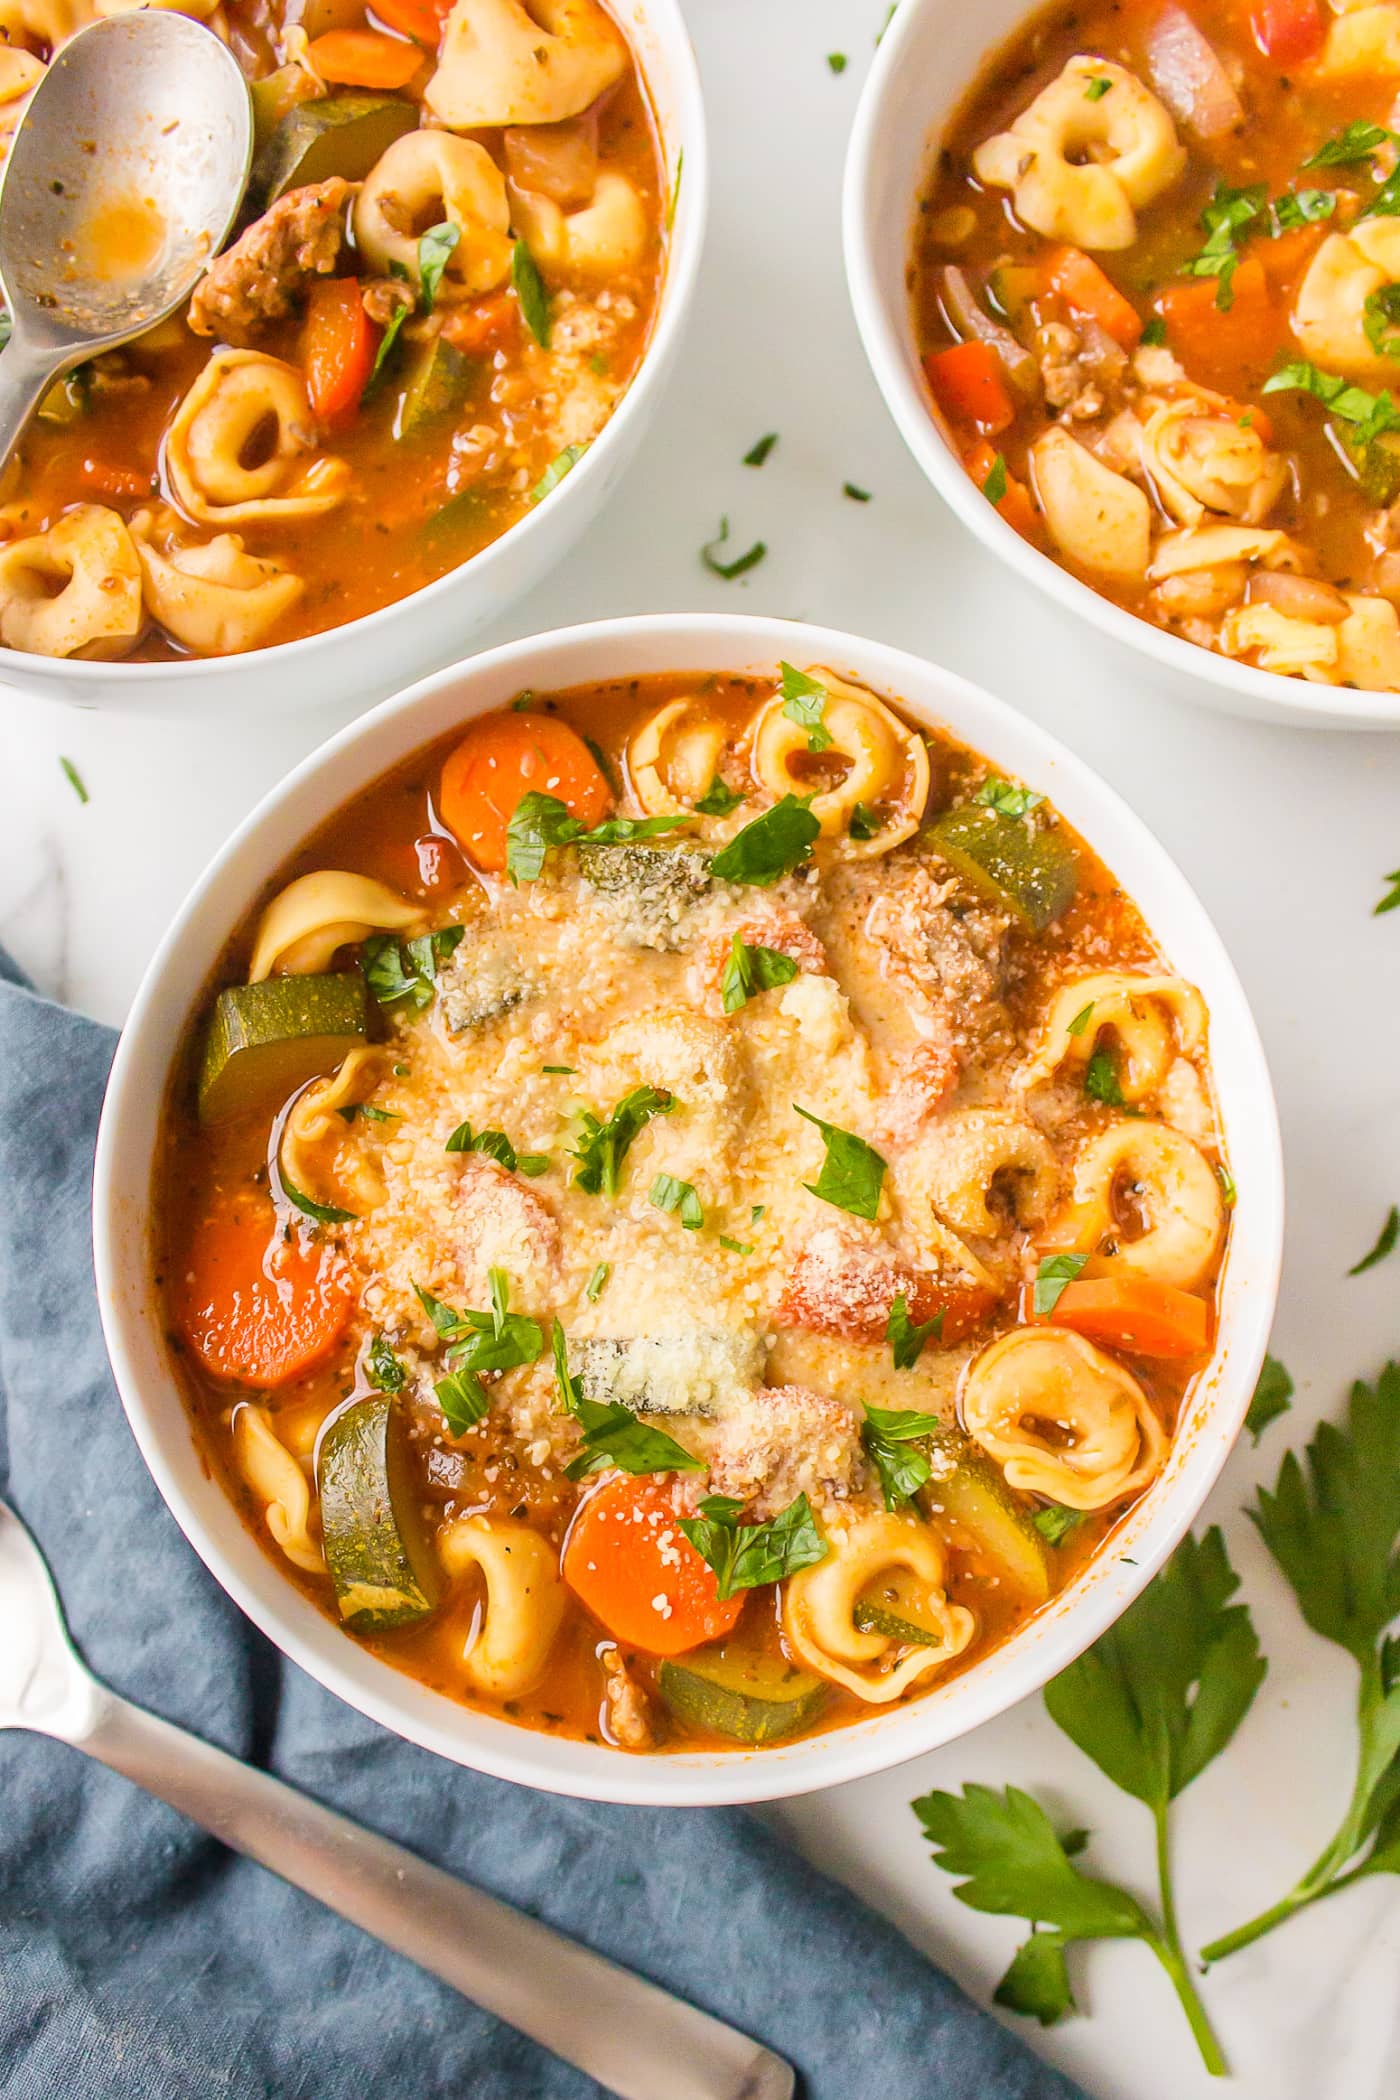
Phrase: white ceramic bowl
x=927 y=60
x=374 y=655
x=127 y=1144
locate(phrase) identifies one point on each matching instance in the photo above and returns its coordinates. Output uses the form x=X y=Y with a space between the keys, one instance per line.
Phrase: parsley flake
x=907 y=1337
x=760 y=449
x=1055 y=1273
x=746 y=1556
x=804 y=702
x=529 y=289
x=741 y=563
x=603 y=1146
x=750 y=970
x=1385 y=1244
x=852 y=1172
x=671 y=1195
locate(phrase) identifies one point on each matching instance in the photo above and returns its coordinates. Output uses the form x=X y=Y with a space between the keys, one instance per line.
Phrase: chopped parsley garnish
x=865 y=822
x=435 y=249
x=759 y=451
x=497 y=1340
x=880 y=33
x=750 y=970
x=1006 y=800
x=562 y=463
x=671 y=1195
x=852 y=1172
x=390 y=336
x=1081 y=1020
x=1295 y=208
x=1051 y=1278
x=74 y=779
x=1055 y=1523
x=564 y=1071
x=1369 y=414
x=1154 y=332
x=530 y=291
x=383 y=1369
x=542 y=822
x=407 y=971
x=1392 y=896
x=612 y=1434
x=907 y=1337
x=745 y=1556
x=593 y=1289
x=741 y=563
x=1101 y=1081
x=994 y=487
x=1098 y=87
x=734 y=1246
x=855 y=492
x=603 y=1146
x=895 y=1441
x=1228 y=1191
x=1385 y=1244
x=1356 y=142
x=837 y=61
x=718 y=800
x=323 y=1213
x=1273 y=1396
x=1381 y=314
x=771 y=846
x=1229 y=216
x=675 y=197
x=496 y=1145
x=804 y=702
x=370 y=1113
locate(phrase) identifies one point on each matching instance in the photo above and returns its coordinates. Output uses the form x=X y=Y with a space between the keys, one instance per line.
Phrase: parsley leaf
x=529 y=289
x=718 y=800
x=671 y=1195
x=1081 y=1020
x=852 y=1172
x=435 y=248
x=603 y=1146
x=1098 y=87
x=398 y=970
x=1051 y=1278
x=593 y=1289
x=907 y=1337
x=837 y=61
x=865 y=823
x=562 y=463
x=804 y=701
x=1356 y=142
x=1008 y=801
x=496 y=1145
x=383 y=1369
x=1154 y=331
x=1381 y=315
x=1055 y=1523
x=1101 y=1081
x=759 y=451
x=752 y=969
x=745 y=1556
x=1273 y=1395
x=497 y=1340
x=1229 y=215
x=1369 y=414
x=1297 y=208
x=541 y=822
x=994 y=487
x=1335 y=1532
x=386 y=344
x=856 y=494
x=895 y=1441
x=612 y=1434
x=1037 y=1982
x=741 y=563
x=1392 y=898
x=74 y=779
x=1385 y=1244
x=769 y=847
x=323 y=1213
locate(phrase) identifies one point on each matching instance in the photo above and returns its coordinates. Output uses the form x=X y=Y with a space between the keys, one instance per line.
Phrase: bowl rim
x=1062 y=1629
x=686 y=243
x=889 y=351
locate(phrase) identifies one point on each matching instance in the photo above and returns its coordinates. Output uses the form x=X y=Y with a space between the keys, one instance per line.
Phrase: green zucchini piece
x=696 y=1371
x=484 y=980
x=647 y=891
x=376 y=1546
x=1377 y=470
x=894 y=1607
x=334 y=135
x=748 y=1697
x=971 y=1490
x=266 y=1039
x=1033 y=873
x=439 y=383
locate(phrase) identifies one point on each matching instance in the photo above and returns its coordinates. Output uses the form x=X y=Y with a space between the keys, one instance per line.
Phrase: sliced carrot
x=484 y=324
x=504 y=757
x=1089 y=291
x=638 y=1573
x=417 y=18
x=1233 y=348
x=1287 y=31
x=364 y=58
x=104 y=478
x=1014 y=503
x=1133 y=1313
x=337 y=346
x=254 y=1306
x=967 y=383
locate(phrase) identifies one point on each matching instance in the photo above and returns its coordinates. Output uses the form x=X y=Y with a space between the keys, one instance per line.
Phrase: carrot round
x=636 y=1571
x=1088 y=290
x=419 y=18
x=504 y=757
x=254 y=1306
x=1136 y=1314
x=364 y=58
x=337 y=347
x=967 y=383
x=1228 y=348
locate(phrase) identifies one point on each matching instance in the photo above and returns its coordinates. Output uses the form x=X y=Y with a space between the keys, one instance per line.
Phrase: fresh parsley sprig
x=770 y=846
x=852 y=1172
x=497 y=1340
x=895 y=1440
x=804 y=702
x=405 y=972
x=746 y=1556
x=603 y=1145
x=541 y=822
x=1334 y=1529
x=750 y=969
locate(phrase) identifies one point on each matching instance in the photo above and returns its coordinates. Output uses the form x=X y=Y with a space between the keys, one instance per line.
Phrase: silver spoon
x=123 y=180
x=632 y=2037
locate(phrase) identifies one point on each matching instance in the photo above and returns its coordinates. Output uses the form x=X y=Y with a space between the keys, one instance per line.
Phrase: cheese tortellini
x=1203 y=458
x=595 y=241
x=886 y=761
x=1160 y=1179
x=306 y=922
x=673 y=758
x=243 y=445
x=20 y=73
x=970 y=1153
x=1151 y=1019
x=74 y=590
x=820 y=1607
x=513 y=1632
x=1329 y=312
x=1062 y=1419
x=1081 y=164
x=215 y=597
x=426 y=178
x=1096 y=516
x=509 y=62
x=315 y=1155
x=280 y=1485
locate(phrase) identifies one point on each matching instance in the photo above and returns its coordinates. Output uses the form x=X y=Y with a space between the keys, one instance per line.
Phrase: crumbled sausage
x=268 y=268
x=626 y=1709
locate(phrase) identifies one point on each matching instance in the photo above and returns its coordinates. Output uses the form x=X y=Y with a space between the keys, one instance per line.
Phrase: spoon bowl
x=123 y=181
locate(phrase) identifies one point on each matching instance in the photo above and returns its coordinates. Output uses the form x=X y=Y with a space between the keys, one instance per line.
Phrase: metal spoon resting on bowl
x=123 y=180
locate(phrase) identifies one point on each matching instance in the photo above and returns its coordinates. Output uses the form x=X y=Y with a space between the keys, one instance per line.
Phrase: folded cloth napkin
x=142 y=1961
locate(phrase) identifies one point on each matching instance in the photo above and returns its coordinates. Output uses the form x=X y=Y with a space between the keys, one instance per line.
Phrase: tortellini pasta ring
x=74 y=590
x=969 y=1152
x=424 y=178
x=597 y=240
x=306 y=922
x=1140 y=1011
x=315 y=1133
x=1201 y=460
x=280 y=1485
x=1094 y=515
x=673 y=758
x=1061 y=1418
x=886 y=762
x=1329 y=308
x=524 y=1604
x=1169 y=1182
x=819 y=1607
x=243 y=445
x=509 y=62
x=215 y=598
x=43 y=23
x=1081 y=164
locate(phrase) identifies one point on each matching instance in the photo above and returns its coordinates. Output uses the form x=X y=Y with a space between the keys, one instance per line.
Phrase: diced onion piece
x=973 y=323
x=1189 y=77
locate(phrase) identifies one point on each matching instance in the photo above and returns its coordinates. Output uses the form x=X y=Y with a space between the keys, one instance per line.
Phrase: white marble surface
x=1286 y=835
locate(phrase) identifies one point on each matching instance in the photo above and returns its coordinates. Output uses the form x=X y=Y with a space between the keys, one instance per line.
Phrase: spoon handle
x=27 y=371
x=631 y=2036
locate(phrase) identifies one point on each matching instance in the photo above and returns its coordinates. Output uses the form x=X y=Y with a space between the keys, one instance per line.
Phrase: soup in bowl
x=1148 y=285
x=689 y=1221
x=454 y=257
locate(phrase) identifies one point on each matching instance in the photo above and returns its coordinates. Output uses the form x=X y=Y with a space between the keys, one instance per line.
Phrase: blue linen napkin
x=142 y=1961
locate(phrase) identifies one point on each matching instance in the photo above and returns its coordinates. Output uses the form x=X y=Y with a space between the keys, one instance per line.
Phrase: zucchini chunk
x=376 y=1547
x=893 y=1607
x=699 y=1371
x=268 y=1038
x=969 y=1488
x=749 y=1698
x=439 y=383
x=484 y=980
x=1034 y=874
x=333 y=135
x=647 y=891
